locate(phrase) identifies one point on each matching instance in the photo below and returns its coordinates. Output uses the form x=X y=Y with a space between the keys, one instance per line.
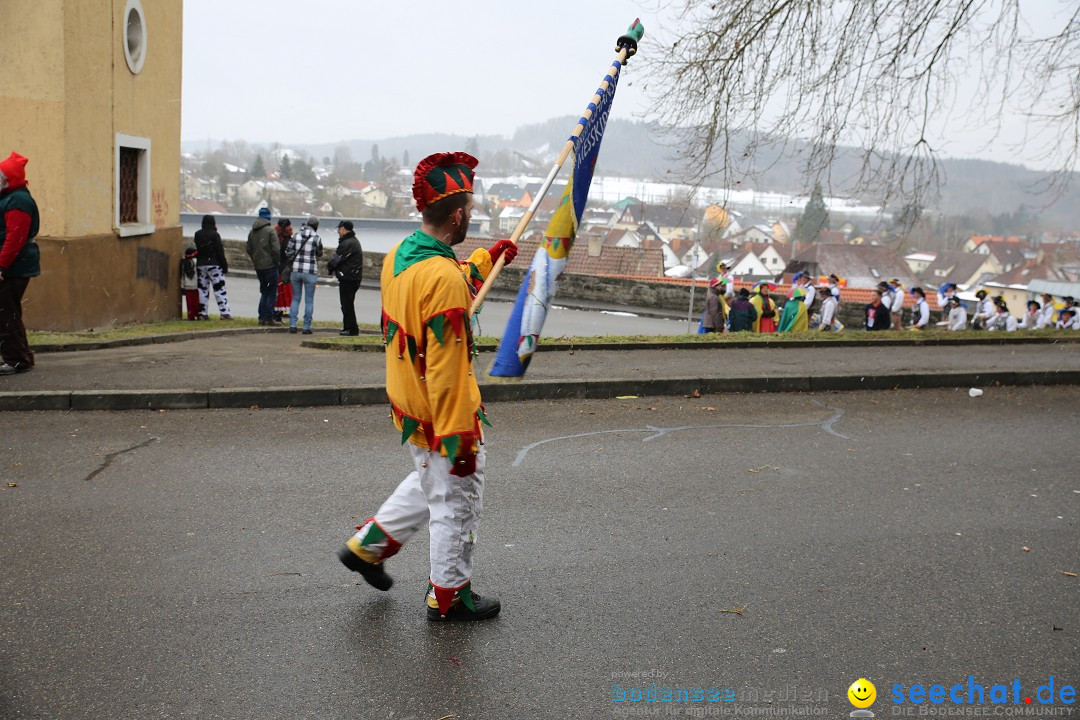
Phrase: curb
x=563 y=346
x=150 y=339
x=170 y=338
x=324 y=396
x=739 y=344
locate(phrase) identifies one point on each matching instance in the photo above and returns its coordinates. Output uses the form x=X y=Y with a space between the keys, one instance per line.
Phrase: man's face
x=341 y=231
x=462 y=216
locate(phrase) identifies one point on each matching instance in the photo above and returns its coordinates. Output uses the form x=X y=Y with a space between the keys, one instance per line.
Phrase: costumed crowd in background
x=816 y=308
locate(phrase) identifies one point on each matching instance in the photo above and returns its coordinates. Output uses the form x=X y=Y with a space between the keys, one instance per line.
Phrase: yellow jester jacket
x=426 y=294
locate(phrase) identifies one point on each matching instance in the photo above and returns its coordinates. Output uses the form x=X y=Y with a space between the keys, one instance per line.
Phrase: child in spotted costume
x=434 y=399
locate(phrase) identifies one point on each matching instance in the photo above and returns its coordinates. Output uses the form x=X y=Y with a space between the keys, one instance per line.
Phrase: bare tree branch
x=745 y=81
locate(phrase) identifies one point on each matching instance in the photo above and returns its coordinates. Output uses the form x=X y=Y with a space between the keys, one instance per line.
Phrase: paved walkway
x=274 y=369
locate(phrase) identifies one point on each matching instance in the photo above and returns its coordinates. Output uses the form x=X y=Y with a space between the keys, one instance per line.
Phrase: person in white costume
x=920 y=314
x=945 y=293
x=1048 y=310
x=1001 y=319
x=984 y=310
x=896 y=306
x=829 y=304
x=1033 y=318
x=957 y=314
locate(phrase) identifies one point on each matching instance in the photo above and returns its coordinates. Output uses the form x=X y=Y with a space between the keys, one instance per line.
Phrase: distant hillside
x=641 y=150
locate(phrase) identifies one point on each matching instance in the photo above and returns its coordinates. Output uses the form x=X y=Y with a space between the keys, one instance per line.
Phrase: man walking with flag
x=435 y=401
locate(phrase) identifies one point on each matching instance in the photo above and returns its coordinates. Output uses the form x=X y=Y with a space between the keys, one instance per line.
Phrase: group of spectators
x=815 y=308
x=286 y=264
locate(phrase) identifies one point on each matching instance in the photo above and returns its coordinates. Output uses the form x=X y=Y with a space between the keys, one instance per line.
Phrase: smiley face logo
x=862 y=693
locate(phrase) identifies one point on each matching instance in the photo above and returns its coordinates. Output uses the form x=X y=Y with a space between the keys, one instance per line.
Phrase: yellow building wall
x=66 y=92
x=32 y=98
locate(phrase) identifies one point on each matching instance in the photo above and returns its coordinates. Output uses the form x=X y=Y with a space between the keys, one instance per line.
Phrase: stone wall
x=666 y=298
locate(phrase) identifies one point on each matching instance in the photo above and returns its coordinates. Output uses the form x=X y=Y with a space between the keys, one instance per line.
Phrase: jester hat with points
x=441 y=175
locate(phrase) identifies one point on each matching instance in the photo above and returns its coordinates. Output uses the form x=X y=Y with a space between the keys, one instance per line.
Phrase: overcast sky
x=329 y=70
x=322 y=71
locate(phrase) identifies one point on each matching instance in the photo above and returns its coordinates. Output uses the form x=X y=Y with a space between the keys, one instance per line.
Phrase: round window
x=134 y=36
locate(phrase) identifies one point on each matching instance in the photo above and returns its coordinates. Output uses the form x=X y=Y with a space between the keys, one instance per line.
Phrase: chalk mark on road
x=826 y=426
x=112 y=456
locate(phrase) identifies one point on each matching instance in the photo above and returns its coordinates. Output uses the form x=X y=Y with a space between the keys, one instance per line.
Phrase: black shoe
x=226 y=316
x=486 y=607
x=348 y=333
x=292 y=331
x=9 y=369
x=275 y=323
x=375 y=575
x=307 y=332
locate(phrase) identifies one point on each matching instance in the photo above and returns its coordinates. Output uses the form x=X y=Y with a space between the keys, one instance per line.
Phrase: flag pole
x=627 y=47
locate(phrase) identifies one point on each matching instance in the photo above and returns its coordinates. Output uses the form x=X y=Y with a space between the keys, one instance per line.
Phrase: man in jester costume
x=434 y=399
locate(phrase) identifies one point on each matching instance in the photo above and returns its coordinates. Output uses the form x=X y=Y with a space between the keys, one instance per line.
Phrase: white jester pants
x=450 y=505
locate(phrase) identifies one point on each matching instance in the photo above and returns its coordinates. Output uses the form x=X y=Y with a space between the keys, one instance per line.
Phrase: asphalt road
x=561 y=321
x=180 y=564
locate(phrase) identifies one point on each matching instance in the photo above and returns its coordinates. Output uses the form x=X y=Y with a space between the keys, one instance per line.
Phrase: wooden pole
x=626 y=48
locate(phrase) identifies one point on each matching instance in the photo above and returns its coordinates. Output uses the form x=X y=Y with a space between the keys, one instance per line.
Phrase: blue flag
x=541 y=282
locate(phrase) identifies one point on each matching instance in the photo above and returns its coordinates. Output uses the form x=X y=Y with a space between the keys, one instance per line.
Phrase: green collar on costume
x=417 y=247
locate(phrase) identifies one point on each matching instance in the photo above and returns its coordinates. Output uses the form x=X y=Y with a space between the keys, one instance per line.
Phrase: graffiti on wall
x=161 y=207
x=152 y=265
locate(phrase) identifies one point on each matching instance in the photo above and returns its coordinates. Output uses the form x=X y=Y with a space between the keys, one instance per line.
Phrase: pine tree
x=258 y=170
x=815 y=218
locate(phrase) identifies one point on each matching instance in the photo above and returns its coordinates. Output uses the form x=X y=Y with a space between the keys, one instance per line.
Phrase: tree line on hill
x=977 y=196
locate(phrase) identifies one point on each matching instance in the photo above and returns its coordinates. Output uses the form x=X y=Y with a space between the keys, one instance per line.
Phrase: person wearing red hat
x=715 y=317
x=434 y=399
x=20 y=260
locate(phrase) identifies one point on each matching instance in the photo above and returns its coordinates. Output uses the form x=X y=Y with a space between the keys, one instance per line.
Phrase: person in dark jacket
x=715 y=317
x=212 y=268
x=265 y=252
x=878 y=316
x=20 y=260
x=347 y=265
x=742 y=314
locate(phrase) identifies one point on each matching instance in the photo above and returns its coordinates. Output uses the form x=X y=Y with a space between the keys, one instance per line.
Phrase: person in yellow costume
x=767 y=314
x=434 y=399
